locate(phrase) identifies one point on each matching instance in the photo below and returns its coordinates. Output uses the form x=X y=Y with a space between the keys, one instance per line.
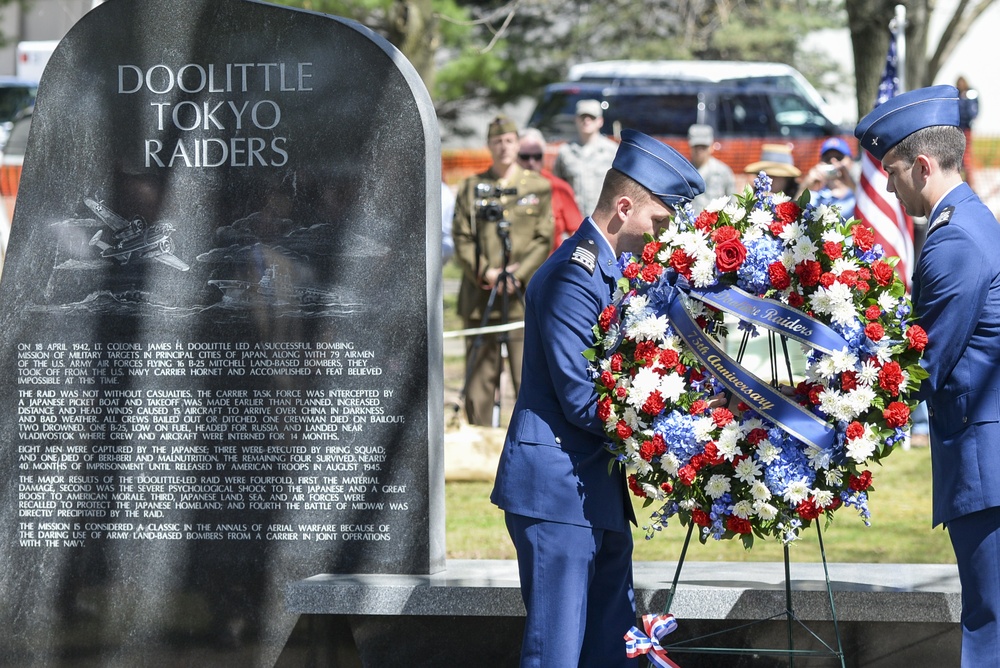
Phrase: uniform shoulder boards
x=942 y=219
x=585 y=255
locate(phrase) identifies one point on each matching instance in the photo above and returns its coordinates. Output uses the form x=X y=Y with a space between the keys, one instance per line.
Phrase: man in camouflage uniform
x=525 y=199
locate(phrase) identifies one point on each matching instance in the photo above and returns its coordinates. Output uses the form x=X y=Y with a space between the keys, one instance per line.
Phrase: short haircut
x=617 y=184
x=944 y=143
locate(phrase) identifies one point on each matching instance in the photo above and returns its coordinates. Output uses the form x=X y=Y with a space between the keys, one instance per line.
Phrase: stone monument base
x=889 y=615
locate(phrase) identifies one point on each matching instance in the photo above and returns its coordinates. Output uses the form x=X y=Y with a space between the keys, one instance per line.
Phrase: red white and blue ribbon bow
x=638 y=643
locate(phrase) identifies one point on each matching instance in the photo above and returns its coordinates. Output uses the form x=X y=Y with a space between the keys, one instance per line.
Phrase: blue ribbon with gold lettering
x=668 y=298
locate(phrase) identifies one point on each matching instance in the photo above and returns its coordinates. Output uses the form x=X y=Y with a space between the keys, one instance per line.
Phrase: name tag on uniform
x=585 y=255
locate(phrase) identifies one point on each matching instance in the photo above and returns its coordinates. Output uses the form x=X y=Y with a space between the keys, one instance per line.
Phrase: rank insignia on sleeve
x=942 y=219
x=585 y=255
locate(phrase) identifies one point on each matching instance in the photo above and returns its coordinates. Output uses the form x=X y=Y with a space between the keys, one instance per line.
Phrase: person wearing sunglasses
x=831 y=180
x=531 y=155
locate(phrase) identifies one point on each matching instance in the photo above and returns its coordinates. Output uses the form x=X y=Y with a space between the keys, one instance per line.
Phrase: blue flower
x=753 y=275
x=677 y=430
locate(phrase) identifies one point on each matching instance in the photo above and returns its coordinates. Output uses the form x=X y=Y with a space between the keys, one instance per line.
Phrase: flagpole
x=898 y=28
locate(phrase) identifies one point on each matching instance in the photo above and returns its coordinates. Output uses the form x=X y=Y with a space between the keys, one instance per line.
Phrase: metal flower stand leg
x=835 y=650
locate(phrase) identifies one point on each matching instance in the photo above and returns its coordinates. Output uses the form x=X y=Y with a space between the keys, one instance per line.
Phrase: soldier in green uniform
x=505 y=211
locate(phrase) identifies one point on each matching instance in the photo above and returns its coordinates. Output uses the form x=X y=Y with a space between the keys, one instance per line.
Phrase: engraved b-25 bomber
x=134 y=237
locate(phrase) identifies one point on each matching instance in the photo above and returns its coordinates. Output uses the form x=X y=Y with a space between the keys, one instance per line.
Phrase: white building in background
x=43 y=20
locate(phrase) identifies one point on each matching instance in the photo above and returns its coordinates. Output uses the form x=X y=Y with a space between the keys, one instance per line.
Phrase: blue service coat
x=956 y=297
x=554 y=464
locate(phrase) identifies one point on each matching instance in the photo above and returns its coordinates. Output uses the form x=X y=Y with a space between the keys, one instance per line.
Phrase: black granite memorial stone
x=220 y=323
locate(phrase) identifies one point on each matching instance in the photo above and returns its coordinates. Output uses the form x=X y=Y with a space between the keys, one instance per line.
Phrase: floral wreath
x=773 y=460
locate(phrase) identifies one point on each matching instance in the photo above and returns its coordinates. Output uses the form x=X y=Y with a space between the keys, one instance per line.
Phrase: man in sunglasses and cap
x=956 y=298
x=567 y=513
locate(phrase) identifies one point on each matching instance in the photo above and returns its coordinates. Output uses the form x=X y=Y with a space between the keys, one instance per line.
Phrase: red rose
x=654 y=403
x=855 y=430
x=623 y=430
x=729 y=255
x=646 y=451
x=808 y=510
x=787 y=212
x=666 y=487
x=890 y=377
x=646 y=352
x=706 y=220
x=669 y=358
x=712 y=454
x=700 y=517
x=616 y=362
x=884 y=273
x=607 y=379
x=832 y=250
x=896 y=414
x=873 y=312
x=738 y=524
x=607 y=317
x=651 y=272
x=848 y=381
x=687 y=475
x=631 y=271
x=698 y=407
x=721 y=417
x=809 y=272
x=916 y=337
x=862 y=482
x=874 y=331
x=636 y=488
x=659 y=446
x=724 y=234
x=681 y=262
x=795 y=300
x=621 y=392
x=650 y=250
x=779 y=276
x=864 y=237
x=604 y=409
x=756 y=436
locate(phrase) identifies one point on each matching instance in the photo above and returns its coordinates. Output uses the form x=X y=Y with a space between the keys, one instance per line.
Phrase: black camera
x=488 y=207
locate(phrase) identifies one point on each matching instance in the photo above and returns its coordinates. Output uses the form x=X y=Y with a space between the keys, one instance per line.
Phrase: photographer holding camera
x=503 y=232
x=832 y=180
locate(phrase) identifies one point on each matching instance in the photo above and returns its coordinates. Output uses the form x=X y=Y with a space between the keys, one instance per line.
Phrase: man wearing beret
x=956 y=298
x=524 y=234
x=566 y=511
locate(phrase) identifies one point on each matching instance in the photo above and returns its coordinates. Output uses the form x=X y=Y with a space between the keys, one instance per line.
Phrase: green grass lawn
x=900 y=530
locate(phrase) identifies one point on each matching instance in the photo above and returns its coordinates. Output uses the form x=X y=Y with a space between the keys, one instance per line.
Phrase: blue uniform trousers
x=576 y=583
x=976 y=540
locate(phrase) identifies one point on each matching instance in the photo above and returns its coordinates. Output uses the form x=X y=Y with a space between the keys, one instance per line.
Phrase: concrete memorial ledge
x=924 y=593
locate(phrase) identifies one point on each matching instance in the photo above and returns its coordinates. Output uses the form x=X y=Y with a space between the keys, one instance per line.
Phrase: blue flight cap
x=899 y=117
x=659 y=168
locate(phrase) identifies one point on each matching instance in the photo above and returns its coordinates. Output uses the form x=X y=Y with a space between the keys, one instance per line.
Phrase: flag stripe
x=875 y=206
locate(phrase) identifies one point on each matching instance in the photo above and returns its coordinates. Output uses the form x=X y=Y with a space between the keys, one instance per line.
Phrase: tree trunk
x=414 y=30
x=869 y=25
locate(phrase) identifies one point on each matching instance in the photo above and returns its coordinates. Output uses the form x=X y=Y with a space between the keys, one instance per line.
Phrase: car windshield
x=14 y=100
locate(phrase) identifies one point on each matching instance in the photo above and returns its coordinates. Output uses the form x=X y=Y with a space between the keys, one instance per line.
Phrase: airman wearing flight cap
x=583 y=163
x=567 y=514
x=956 y=299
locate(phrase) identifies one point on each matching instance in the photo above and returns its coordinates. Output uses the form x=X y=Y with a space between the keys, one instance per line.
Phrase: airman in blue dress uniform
x=956 y=297
x=567 y=515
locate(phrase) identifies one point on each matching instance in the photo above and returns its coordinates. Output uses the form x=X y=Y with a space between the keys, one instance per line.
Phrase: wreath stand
x=834 y=650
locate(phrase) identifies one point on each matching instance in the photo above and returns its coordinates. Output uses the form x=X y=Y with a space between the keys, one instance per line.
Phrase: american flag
x=875 y=206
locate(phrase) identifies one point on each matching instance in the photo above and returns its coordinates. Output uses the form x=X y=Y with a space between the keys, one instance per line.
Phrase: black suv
x=748 y=106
